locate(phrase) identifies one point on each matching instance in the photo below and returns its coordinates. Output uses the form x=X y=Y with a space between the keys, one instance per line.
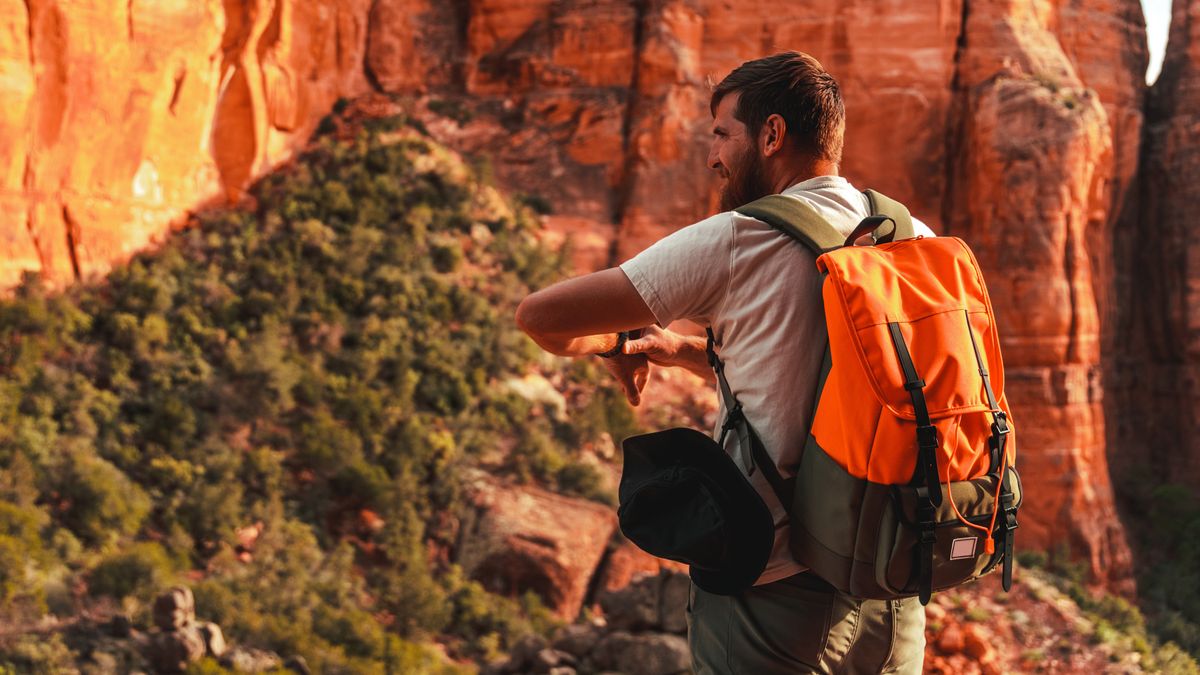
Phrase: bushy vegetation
x=1115 y=620
x=1167 y=547
x=339 y=348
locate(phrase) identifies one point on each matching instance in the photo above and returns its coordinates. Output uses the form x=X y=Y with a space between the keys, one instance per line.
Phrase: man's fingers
x=638 y=346
x=641 y=377
x=632 y=390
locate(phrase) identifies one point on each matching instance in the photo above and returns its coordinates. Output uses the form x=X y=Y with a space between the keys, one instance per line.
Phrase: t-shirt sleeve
x=685 y=275
x=920 y=228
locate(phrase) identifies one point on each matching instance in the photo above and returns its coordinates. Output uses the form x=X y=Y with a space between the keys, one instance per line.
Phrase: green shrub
x=36 y=655
x=338 y=348
x=143 y=569
x=101 y=504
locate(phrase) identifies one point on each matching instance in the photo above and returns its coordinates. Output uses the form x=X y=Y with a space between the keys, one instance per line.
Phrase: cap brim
x=752 y=528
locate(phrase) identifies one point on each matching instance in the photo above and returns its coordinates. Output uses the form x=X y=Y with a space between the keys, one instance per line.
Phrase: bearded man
x=778 y=125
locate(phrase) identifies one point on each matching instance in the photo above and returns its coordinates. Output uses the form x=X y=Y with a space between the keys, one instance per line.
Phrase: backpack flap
x=932 y=292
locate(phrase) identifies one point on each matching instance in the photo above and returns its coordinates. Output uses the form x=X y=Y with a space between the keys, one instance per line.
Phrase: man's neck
x=797 y=174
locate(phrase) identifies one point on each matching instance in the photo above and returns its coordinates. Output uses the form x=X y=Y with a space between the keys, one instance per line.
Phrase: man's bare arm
x=581 y=316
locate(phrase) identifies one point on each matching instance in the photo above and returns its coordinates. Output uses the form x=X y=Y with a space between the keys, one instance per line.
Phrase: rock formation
x=1156 y=376
x=642 y=633
x=121 y=116
x=1032 y=167
x=1015 y=123
x=528 y=539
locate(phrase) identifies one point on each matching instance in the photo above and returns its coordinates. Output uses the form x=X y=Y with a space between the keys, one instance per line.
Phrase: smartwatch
x=622 y=338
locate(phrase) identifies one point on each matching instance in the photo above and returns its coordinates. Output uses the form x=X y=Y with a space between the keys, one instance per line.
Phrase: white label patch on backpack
x=963 y=548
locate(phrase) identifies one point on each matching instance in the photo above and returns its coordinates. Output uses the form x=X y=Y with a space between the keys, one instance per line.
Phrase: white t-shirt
x=760 y=292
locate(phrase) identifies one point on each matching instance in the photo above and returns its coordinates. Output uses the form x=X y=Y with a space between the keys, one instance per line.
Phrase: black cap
x=683 y=498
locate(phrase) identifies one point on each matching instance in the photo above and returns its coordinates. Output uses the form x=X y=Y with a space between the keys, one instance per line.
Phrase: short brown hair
x=796 y=87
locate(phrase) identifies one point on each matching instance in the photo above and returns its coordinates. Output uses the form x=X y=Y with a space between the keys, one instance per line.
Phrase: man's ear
x=774 y=131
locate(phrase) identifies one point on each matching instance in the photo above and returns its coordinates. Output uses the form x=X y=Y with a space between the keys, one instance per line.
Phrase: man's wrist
x=622 y=338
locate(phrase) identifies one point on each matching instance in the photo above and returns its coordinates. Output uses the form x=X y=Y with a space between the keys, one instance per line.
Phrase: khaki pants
x=803 y=625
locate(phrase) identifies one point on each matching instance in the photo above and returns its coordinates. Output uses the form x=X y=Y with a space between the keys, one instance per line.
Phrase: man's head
x=776 y=120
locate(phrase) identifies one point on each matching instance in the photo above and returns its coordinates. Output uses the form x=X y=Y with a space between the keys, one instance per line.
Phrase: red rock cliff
x=1008 y=122
x=1156 y=378
x=1032 y=186
x=120 y=116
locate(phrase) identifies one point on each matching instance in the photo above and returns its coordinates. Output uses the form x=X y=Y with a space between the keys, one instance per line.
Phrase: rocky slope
x=1009 y=122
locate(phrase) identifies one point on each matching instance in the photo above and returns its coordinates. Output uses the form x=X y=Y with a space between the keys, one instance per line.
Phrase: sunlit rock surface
x=1013 y=123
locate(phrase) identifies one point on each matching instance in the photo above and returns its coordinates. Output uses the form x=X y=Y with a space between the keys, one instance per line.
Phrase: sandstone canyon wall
x=1013 y=123
x=120 y=116
x=1031 y=191
x=1156 y=375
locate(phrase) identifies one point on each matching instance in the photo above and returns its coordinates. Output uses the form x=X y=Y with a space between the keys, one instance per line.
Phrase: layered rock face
x=1033 y=169
x=1157 y=378
x=1014 y=123
x=120 y=116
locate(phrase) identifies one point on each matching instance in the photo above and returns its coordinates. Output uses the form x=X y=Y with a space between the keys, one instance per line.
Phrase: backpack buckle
x=1010 y=519
x=927 y=537
x=732 y=417
x=1000 y=425
x=927 y=437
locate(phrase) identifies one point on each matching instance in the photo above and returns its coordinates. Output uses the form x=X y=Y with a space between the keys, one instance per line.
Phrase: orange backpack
x=907 y=481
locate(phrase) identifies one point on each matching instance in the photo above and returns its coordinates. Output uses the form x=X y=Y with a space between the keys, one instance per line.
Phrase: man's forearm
x=575 y=346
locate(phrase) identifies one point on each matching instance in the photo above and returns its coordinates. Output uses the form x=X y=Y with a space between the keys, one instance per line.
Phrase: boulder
x=175 y=609
x=635 y=607
x=577 y=640
x=214 y=639
x=627 y=562
x=171 y=652
x=643 y=654
x=672 y=602
x=119 y=626
x=527 y=539
x=247 y=660
x=298 y=665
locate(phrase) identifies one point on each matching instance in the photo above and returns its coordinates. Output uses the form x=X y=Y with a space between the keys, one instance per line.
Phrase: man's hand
x=668 y=348
x=632 y=373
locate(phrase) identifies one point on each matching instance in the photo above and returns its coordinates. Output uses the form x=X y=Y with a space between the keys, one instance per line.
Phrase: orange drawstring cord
x=989 y=545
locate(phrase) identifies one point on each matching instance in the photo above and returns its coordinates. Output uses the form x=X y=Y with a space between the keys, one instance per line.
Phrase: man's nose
x=714 y=162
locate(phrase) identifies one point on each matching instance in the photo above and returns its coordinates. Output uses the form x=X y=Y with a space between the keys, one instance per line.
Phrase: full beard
x=746 y=182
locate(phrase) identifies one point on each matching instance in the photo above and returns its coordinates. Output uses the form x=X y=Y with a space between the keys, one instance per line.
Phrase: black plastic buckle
x=1000 y=426
x=732 y=417
x=914 y=384
x=927 y=437
x=1010 y=518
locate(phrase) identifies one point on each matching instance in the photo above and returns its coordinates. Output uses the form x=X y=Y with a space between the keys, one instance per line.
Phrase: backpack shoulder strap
x=797 y=220
x=882 y=205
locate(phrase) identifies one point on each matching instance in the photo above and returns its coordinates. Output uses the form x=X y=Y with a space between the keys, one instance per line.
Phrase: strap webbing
x=882 y=205
x=996 y=446
x=926 y=526
x=1007 y=525
x=1000 y=428
x=755 y=453
x=925 y=477
x=926 y=473
x=796 y=219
